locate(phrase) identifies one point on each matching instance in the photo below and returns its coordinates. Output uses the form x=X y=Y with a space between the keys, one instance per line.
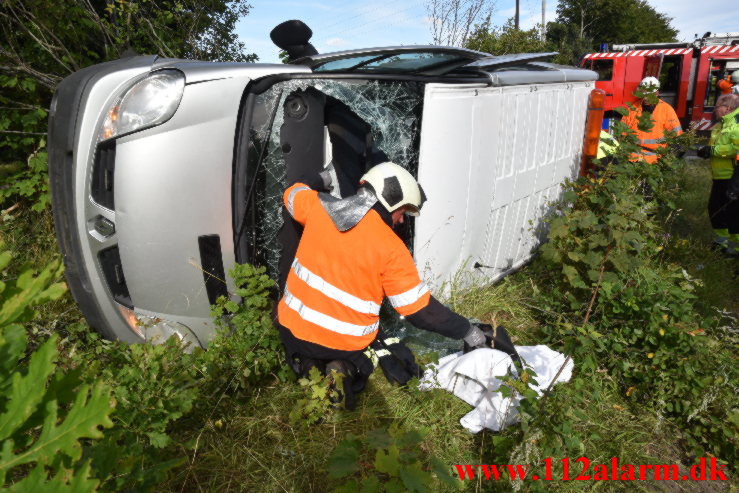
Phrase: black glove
x=396 y=360
x=704 y=152
x=495 y=338
x=732 y=190
x=678 y=150
x=475 y=337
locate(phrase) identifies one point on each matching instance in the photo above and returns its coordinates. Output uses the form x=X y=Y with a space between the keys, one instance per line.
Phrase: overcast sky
x=340 y=25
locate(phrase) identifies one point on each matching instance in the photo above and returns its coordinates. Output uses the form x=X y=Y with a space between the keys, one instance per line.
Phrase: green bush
x=628 y=309
x=45 y=416
x=28 y=181
x=319 y=398
x=161 y=387
x=391 y=461
x=247 y=348
x=154 y=386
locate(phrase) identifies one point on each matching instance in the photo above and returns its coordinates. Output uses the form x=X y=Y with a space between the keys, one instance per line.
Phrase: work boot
x=344 y=394
x=306 y=365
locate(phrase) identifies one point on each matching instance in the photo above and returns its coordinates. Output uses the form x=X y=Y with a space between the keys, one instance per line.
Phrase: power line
x=342 y=20
x=336 y=20
x=362 y=26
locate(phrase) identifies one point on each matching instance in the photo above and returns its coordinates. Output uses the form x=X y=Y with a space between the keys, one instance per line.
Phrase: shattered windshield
x=381 y=117
x=391 y=109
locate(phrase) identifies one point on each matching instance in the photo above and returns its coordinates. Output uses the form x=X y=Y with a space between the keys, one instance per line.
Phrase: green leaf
x=29 y=289
x=411 y=438
x=388 y=462
x=12 y=347
x=415 y=479
x=65 y=481
x=90 y=411
x=370 y=485
x=158 y=439
x=558 y=230
x=351 y=486
x=5 y=258
x=343 y=460
x=572 y=275
x=28 y=390
x=378 y=439
x=394 y=486
x=442 y=470
x=62 y=388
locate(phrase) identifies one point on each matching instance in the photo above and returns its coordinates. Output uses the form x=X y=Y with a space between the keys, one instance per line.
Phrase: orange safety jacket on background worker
x=724 y=85
x=338 y=280
x=664 y=119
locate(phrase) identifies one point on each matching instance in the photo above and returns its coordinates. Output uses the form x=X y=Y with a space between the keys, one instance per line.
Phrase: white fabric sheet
x=472 y=378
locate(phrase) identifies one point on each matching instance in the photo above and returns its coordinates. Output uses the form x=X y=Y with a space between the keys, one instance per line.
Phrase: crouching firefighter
x=347 y=261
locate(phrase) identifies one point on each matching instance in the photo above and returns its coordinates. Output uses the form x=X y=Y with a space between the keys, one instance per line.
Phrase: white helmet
x=649 y=83
x=395 y=187
x=735 y=77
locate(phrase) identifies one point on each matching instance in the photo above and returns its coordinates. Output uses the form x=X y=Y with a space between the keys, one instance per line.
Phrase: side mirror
x=294 y=37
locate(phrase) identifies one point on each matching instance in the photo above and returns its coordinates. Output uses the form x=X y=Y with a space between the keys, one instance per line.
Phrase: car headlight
x=149 y=102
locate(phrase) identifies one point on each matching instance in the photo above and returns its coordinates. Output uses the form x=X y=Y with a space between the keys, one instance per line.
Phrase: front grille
x=211 y=260
x=102 y=175
x=110 y=261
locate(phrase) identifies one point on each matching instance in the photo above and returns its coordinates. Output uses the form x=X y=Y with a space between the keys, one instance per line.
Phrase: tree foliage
x=506 y=39
x=43 y=41
x=582 y=25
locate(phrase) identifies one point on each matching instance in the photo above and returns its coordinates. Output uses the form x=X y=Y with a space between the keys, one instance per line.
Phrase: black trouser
x=303 y=355
x=724 y=214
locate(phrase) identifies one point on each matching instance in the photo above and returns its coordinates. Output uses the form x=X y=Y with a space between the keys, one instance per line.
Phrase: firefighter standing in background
x=724 y=85
x=348 y=260
x=663 y=117
x=723 y=148
x=729 y=84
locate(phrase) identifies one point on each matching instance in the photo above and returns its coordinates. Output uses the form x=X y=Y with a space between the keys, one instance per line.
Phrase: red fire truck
x=688 y=73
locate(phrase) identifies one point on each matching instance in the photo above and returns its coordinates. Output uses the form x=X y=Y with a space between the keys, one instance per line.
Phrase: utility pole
x=517 y=13
x=543 y=20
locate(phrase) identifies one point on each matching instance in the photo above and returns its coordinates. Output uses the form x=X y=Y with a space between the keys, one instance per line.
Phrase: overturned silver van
x=165 y=172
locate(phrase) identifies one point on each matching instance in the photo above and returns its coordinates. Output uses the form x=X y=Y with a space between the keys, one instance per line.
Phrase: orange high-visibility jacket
x=724 y=85
x=664 y=119
x=338 y=279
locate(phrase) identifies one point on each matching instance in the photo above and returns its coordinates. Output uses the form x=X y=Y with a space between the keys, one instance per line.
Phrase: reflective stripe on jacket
x=338 y=279
x=664 y=119
x=724 y=144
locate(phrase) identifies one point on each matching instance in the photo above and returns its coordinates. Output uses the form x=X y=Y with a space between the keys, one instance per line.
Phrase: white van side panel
x=491 y=160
